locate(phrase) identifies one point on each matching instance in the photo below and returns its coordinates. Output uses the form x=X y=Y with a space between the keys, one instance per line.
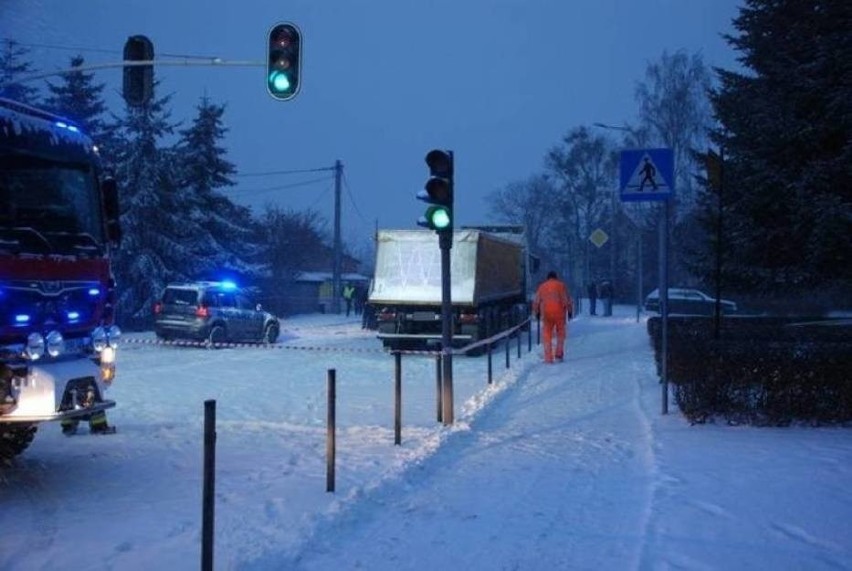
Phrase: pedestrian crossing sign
x=646 y=174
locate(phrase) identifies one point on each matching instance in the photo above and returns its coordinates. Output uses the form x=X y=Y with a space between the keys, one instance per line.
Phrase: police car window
x=180 y=296
x=226 y=300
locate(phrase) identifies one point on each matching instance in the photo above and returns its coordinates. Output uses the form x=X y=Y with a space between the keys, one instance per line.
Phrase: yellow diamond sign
x=599 y=237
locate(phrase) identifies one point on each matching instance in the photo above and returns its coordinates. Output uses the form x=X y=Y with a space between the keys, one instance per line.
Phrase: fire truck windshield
x=48 y=206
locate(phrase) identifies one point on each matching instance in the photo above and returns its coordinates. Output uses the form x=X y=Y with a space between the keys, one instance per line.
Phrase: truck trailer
x=489 y=285
x=58 y=227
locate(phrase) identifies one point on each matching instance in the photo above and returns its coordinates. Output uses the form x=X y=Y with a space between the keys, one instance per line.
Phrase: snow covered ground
x=566 y=466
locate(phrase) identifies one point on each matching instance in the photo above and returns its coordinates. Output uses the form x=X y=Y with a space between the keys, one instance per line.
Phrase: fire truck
x=58 y=228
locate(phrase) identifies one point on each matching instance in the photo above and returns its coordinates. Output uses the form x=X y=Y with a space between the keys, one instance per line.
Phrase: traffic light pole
x=445 y=241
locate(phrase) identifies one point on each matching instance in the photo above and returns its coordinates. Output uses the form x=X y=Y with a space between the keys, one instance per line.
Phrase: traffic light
x=438 y=192
x=284 y=62
x=138 y=85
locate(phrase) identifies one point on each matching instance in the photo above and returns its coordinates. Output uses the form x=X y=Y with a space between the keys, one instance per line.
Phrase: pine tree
x=224 y=239
x=787 y=134
x=154 y=248
x=79 y=98
x=12 y=68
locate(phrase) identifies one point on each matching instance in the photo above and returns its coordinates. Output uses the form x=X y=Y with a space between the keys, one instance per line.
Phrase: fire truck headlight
x=99 y=339
x=35 y=346
x=55 y=343
x=113 y=335
x=107 y=365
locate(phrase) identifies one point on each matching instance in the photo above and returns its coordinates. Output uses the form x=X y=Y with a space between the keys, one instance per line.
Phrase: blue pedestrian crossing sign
x=646 y=174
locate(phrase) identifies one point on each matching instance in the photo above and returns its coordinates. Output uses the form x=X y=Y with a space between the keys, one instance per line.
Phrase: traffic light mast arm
x=155 y=62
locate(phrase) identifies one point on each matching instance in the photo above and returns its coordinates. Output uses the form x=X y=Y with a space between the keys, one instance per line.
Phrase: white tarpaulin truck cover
x=408 y=268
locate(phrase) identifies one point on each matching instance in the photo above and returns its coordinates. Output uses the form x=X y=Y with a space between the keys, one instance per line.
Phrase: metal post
x=490 y=369
x=330 y=431
x=664 y=304
x=529 y=337
x=208 y=489
x=639 y=278
x=519 y=343
x=445 y=240
x=336 y=282
x=438 y=390
x=397 y=399
x=717 y=321
x=506 y=342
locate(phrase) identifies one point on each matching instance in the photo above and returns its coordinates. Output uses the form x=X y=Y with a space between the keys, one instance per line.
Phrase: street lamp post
x=625 y=129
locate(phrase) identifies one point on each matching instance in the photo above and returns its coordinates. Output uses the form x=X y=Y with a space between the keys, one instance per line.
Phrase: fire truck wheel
x=14 y=440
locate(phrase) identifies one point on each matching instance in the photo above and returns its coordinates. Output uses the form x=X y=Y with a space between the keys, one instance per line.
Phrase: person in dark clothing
x=606 y=294
x=592 y=290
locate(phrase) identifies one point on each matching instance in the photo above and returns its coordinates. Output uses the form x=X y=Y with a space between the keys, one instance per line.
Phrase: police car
x=213 y=313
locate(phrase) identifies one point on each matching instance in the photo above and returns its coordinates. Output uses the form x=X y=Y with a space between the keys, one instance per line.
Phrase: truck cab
x=58 y=228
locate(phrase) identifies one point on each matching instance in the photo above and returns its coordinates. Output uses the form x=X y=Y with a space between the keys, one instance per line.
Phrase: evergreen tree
x=224 y=238
x=79 y=98
x=786 y=130
x=12 y=68
x=155 y=244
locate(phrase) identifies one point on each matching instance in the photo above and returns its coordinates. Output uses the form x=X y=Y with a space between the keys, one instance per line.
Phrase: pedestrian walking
x=552 y=305
x=592 y=290
x=348 y=295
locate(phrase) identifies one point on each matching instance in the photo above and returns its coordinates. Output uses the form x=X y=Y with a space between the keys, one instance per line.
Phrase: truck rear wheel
x=15 y=439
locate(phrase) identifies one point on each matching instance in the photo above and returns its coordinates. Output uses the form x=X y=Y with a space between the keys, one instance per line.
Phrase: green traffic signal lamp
x=284 y=61
x=436 y=218
x=438 y=192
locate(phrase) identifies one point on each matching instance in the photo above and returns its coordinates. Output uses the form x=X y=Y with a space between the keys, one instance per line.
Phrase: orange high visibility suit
x=552 y=304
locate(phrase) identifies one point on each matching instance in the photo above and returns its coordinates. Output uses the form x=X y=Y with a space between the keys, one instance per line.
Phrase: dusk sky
x=497 y=82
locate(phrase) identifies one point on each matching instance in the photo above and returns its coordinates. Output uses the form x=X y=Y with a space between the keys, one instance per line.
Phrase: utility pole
x=336 y=279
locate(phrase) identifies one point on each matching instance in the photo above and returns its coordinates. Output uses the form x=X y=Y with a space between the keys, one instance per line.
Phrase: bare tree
x=585 y=167
x=675 y=112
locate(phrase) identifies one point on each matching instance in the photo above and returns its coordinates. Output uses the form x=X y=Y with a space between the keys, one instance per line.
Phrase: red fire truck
x=58 y=227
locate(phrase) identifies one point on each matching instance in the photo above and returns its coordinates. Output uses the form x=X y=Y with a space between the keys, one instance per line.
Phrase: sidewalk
x=575 y=467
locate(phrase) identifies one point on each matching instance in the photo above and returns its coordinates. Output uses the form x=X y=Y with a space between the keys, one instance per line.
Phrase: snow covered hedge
x=760 y=370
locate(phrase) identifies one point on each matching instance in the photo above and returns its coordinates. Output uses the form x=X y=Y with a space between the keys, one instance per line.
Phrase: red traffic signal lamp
x=284 y=61
x=438 y=192
x=138 y=84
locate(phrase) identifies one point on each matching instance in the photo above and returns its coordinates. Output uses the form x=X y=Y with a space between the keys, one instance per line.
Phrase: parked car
x=688 y=301
x=213 y=312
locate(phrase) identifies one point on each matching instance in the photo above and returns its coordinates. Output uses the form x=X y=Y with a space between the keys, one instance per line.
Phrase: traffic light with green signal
x=438 y=192
x=138 y=85
x=284 y=61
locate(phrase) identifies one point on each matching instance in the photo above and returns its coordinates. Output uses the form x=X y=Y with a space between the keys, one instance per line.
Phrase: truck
x=59 y=225
x=490 y=275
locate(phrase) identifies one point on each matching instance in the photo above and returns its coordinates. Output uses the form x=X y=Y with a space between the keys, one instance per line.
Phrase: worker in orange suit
x=553 y=305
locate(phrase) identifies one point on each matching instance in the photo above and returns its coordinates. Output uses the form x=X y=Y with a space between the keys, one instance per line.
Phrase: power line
x=352 y=200
x=280 y=187
x=98 y=50
x=293 y=171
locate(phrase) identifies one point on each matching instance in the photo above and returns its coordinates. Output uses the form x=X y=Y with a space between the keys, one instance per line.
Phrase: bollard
x=529 y=337
x=438 y=391
x=519 y=343
x=489 y=364
x=397 y=399
x=507 y=342
x=330 y=432
x=208 y=488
